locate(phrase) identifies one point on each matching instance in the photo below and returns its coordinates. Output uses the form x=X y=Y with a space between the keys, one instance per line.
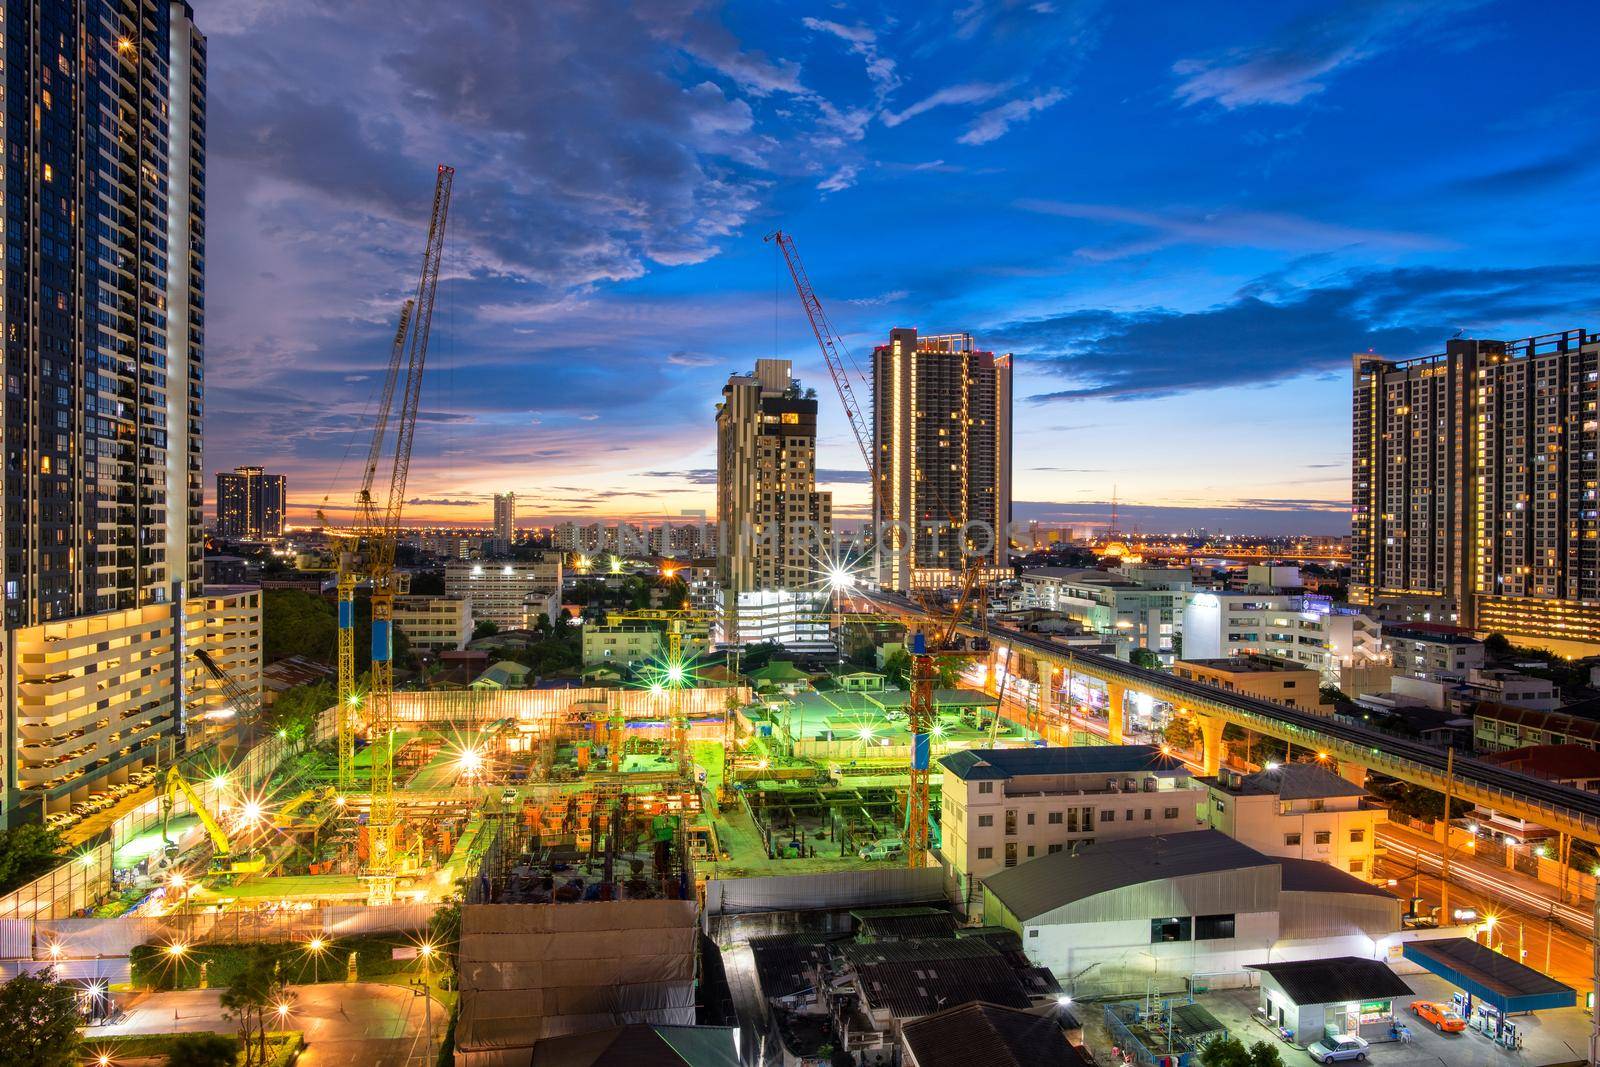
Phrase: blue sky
x=1181 y=218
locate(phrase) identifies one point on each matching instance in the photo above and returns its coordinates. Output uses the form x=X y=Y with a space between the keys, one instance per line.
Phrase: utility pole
x=1444 y=864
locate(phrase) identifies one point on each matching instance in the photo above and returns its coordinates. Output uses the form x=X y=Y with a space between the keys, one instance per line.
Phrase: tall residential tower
x=941 y=417
x=505 y=520
x=773 y=523
x=1475 y=483
x=250 y=504
x=104 y=183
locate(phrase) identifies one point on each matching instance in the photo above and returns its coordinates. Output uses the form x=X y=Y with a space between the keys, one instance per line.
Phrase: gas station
x=1489 y=987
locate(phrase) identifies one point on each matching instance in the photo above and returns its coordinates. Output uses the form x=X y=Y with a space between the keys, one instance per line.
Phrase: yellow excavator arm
x=221 y=846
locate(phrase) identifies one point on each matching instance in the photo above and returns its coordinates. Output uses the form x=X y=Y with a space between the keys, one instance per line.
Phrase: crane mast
x=350 y=563
x=383 y=526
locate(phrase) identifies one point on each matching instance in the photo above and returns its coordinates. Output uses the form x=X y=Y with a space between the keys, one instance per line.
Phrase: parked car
x=1443 y=1019
x=887 y=849
x=1335 y=1049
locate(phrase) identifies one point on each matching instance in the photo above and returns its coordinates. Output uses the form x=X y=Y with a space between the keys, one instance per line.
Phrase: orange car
x=1443 y=1019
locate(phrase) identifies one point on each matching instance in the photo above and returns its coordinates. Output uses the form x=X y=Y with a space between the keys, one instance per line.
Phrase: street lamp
x=316 y=946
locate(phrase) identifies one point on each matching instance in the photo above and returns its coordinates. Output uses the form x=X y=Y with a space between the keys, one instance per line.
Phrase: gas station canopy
x=1484 y=973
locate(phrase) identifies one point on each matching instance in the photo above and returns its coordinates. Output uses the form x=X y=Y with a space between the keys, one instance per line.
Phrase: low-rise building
x=623 y=645
x=1341 y=644
x=1002 y=807
x=1300 y=811
x=1146 y=606
x=1432 y=653
x=434 y=623
x=1123 y=913
x=1497 y=727
x=1263 y=677
x=511 y=594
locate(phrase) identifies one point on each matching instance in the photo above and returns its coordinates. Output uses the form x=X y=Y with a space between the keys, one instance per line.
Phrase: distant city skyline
x=1182 y=228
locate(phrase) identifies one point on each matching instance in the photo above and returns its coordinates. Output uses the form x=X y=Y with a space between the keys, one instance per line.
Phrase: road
x=364 y=1022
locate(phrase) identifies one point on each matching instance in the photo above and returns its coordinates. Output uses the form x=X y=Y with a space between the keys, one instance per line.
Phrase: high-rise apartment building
x=505 y=519
x=105 y=242
x=104 y=184
x=941 y=416
x=773 y=520
x=250 y=504
x=1474 y=481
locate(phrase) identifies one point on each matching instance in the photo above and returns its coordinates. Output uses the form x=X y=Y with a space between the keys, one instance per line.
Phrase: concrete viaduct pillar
x=1116 y=698
x=1047 y=695
x=1353 y=772
x=1210 y=742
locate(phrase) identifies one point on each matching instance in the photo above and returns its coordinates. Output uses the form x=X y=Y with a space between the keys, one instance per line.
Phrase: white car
x=1334 y=1049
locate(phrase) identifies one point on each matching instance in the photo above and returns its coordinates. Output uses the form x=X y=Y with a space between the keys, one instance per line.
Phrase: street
x=344 y=1023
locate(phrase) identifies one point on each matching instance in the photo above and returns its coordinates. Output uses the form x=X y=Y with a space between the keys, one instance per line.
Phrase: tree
x=26 y=852
x=1332 y=694
x=1225 y=1052
x=1143 y=657
x=1264 y=1055
x=39 y=1016
x=1180 y=732
x=203 y=1050
x=295 y=710
x=296 y=623
x=245 y=1001
x=427 y=583
x=1498 y=646
x=486 y=628
x=897 y=668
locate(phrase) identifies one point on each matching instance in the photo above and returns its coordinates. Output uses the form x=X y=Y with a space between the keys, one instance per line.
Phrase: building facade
x=251 y=504
x=505 y=519
x=104 y=174
x=775 y=526
x=1475 y=480
x=103 y=180
x=434 y=623
x=512 y=595
x=621 y=646
x=1262 y=677
x=1344 y=645
x=1148 y=612
x=941 y=417
x=1299 y=811
x=1430 y=654
x=1002 y=807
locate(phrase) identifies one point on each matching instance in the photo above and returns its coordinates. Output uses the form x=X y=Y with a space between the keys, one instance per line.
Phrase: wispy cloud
x=1298 y=61
x=1225 y=228
x=840 y=180
x=993 y=124
x=964 y=93
x=864 y=43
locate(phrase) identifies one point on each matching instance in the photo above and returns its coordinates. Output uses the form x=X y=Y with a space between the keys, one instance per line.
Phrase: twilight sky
x=1181 y=218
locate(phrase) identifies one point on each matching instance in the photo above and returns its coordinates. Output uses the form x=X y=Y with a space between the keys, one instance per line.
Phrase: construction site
x=638 y=791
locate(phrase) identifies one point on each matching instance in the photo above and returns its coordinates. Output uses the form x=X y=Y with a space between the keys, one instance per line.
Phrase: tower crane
x=350 y=563
x=371 y=556
x=924 y=671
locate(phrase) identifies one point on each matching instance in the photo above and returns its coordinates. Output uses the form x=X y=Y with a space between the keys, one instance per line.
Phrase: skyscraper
x=250 y=504
x=772 y=521
x=941 y=417
x=1474 y=482
x=105 y=241
x=103 y=175
x=505 y=519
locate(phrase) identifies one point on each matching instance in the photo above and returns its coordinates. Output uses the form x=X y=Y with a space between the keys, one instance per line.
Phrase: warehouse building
x=1180 y=906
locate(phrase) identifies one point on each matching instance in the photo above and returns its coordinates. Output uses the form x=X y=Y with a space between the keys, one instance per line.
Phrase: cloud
x=893 y=296
x=1224 y=228
x=442 y=502
x=864 y=43
x=840 y=180
x=1298 y=60
x=993 y=124
x=690 y=359
x=964 y=93
x=1270 y=332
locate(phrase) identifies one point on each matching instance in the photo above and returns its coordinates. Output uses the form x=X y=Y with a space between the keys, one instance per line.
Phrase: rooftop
x=1342 y=979
x=1244 y=665
x=1053 y=881
x=984 y=1033
x=1432 y=637
x=1557 y=763
x=1000 y=764
x=1289 y=781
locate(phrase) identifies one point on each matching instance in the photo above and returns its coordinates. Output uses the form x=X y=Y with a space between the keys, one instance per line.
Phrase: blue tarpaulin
x=1488 y=976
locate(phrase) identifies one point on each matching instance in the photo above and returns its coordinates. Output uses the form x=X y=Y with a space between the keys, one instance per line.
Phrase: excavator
x=222 y=858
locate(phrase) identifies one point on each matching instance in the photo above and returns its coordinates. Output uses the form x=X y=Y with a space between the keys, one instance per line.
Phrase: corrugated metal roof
x=1003 y=763
x=983 y=1034
x=1297 y=781
x=1049 y=882
x=783 y=960
x=1314 y=876
x=911 y=989
x=1502 y=981
x=1339 y=980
